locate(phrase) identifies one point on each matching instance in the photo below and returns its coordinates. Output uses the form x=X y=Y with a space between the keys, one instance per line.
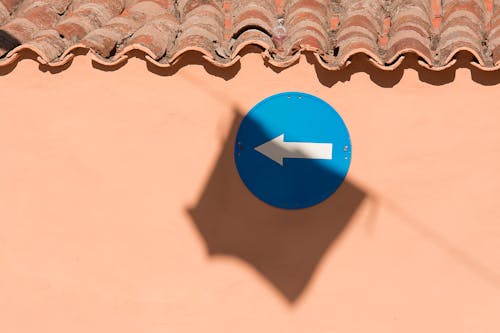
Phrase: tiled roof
x=334 y=30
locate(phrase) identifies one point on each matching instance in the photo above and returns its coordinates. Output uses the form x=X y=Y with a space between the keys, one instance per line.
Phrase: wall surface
x=121 y=209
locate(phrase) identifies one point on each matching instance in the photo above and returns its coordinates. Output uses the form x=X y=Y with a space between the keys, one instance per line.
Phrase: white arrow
x=277 y=149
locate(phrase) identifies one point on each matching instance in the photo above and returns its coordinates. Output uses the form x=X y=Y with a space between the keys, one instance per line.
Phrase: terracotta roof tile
x=411 y=30
x=334 y=30
x=494 y=35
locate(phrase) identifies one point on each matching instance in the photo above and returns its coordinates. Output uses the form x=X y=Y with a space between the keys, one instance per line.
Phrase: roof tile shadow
x=7 y=41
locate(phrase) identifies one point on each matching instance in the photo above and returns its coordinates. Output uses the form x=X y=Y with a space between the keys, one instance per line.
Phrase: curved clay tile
x=31 y=18
x=494 y=34
x=155 y=37
x=410 y=30
x=307 y=22
x=10 y=5
x=463 y=28
x=333 y=30
x=4 y=13
x=202 y=28
x=361 y=24
x=252 y=23
x=86 y=16
x=106 y=40
x=252 y=14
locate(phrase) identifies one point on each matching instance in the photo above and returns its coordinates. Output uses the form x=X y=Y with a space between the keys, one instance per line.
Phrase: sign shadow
x=284 y=246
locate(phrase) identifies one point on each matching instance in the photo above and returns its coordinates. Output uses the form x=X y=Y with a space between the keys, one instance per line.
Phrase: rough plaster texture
x=120 y=210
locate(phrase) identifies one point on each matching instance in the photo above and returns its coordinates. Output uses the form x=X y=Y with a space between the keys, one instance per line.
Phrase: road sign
x=292 y=150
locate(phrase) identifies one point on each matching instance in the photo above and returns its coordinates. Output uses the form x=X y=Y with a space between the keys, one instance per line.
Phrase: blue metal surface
x=299 y=182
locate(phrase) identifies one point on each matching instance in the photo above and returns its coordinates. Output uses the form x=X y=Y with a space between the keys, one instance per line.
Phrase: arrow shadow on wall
x=285 y=246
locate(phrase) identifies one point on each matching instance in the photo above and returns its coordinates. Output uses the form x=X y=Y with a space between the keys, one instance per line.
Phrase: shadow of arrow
x=285 y=246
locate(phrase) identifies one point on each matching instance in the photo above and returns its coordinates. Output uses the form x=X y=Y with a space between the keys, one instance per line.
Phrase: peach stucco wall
x=121 y=210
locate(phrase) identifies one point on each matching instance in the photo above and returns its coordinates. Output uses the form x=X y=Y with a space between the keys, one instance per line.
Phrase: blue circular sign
x=292 y=150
